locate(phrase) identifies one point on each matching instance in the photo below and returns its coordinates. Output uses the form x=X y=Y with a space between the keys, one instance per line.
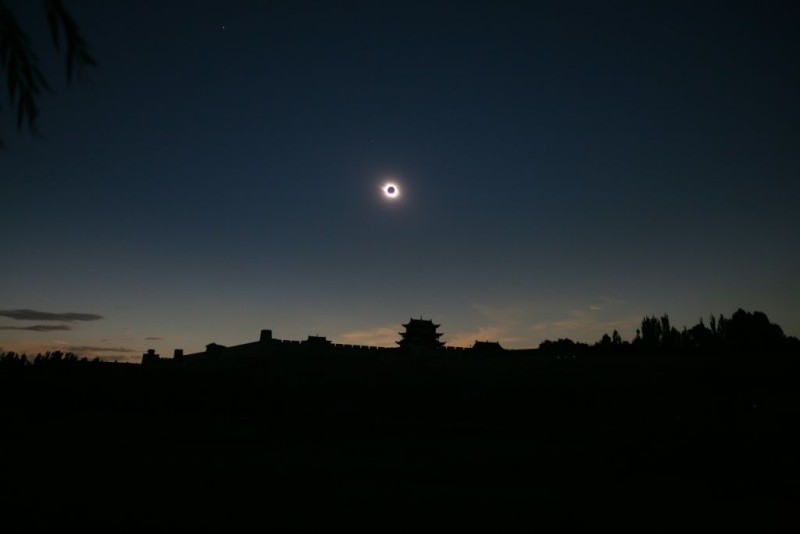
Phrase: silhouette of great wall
x=420 y=336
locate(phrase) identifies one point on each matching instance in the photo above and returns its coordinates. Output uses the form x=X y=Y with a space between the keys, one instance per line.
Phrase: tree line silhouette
x=744 y=333
x=51 y=359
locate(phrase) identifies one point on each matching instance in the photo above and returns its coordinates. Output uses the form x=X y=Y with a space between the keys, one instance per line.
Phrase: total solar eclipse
x=391 y=191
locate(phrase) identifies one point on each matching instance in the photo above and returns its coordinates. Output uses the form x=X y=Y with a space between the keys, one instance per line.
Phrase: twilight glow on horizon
x=558 y=171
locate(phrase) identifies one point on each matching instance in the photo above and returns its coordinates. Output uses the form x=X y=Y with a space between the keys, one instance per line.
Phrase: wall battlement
x=420 y=338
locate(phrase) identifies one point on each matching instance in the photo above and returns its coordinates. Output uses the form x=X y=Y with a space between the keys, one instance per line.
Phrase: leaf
x=52 y=21
x=77 y=49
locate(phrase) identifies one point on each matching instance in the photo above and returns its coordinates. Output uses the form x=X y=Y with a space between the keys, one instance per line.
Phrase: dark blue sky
x=565 y=169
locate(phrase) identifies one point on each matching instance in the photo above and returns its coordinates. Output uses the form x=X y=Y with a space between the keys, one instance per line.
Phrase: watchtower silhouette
x=420 y=334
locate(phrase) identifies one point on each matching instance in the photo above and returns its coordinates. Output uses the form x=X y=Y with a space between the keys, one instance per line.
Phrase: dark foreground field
x=492 y=443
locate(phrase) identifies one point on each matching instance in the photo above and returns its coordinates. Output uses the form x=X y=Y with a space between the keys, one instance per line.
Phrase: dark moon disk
x=390 y=190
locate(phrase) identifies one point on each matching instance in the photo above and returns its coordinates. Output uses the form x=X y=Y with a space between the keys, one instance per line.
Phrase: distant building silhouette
x=317 y=341
x=420 y=334
x=420 y=337
x=487 y=346
x=212 y=349
x=150 y=357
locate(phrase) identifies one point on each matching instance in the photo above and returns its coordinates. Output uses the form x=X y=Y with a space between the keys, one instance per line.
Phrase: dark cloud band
x=89 y=348
x=38 y=327
x=33 y=315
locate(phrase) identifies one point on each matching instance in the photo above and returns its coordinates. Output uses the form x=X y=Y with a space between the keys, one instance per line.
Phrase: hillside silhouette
x=692 y=429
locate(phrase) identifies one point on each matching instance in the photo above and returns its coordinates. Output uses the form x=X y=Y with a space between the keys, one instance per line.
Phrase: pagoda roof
x=437 y=334
x=317 y=340
x=490 y=345
x=421 y=322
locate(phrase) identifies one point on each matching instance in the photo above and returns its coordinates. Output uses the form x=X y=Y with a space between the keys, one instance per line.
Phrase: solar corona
x=391 y=191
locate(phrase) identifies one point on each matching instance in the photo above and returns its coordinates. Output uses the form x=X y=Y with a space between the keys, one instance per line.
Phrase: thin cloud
x=154 y=338
x=497 y=323
x=382 y=336
x=582 y=327
x=506 y=315
x=122 y=358
x=33 y=315
x=89 y=348
x=38 y=327
x=483 y=333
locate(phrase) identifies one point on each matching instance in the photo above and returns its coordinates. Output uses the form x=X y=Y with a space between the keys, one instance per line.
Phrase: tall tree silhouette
x=19 y=64
x=750 y=332
x=700 y=338
x=650 y=333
